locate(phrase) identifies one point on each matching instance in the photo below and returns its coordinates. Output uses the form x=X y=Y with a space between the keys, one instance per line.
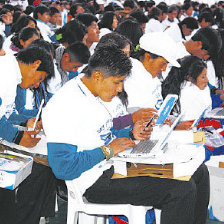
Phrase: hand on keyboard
x=120 y=144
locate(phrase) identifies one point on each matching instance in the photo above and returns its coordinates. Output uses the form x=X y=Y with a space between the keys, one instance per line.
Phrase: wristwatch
x=108 y=151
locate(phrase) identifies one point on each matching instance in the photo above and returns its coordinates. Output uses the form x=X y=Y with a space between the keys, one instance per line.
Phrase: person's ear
x=66 y=57
x=97 y=76
x=21 y=43
x=198 y=44
x=36 y=64
x=147 y=56
x=189 y=78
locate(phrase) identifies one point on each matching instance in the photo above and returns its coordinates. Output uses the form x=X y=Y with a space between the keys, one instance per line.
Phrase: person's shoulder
x=8 y=61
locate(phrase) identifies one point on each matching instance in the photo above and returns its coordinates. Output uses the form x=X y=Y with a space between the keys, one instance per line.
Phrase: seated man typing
x=81 y=140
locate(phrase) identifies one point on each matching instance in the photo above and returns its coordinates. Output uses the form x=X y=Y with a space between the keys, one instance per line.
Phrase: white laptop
x=216 y=113
x=166 y=108
x=196 y=121
x=150 y=148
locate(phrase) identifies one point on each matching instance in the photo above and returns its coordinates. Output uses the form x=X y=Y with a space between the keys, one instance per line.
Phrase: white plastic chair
x=77 y=203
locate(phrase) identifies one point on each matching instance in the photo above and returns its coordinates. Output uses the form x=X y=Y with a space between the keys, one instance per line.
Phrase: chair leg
x=158 y=215
x=137 y=215
x=72 y=217
x=101 y=219
x=85 y=218
x=72 y=213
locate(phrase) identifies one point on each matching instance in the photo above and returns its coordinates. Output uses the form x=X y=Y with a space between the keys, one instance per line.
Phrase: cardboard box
x=216 y=204
x=14 y=168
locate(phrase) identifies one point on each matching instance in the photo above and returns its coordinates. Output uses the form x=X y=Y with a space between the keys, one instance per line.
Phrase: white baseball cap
x=161 y=44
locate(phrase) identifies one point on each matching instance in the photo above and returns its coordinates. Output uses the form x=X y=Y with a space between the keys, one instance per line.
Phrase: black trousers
x=35 y=197
x=181 y=202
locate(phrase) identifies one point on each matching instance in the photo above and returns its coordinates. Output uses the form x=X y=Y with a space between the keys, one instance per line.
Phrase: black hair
x=53 y=10
x=45 y=45
x=17 y=8
x=202 y=6
x=131 y=30
x=191 y=67
x=207 y=16
x=186 y=6
x=114 y=38
x=141 y=4
x=9 y=7
x=25 y=34
x=87 y=18
x=16 y=16
x=1 y=41
x=139 y=16
x=33 y=53
x=190 y=22
x=109 y=61
x=218 y=61
x=140 y=53
x=149 y=4
x=218 y=15
x=22 y=22
x=129 y=3
x=78 y=52
x=210 y=38
x=107 y=20
x=50 y=49
x=109 y=8
x=163 y=7
x=154 y=13
x=71 y=32
x=29 y=9
x=3 y=12
x=119 y=41
x=40 y=9
x=73 y=9
x=172 y=8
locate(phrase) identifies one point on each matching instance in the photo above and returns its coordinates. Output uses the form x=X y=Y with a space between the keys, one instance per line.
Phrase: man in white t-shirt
x=143 y=86
x=28 y=69
x=179 y=32
x=42 y=16
x=171 y=17
x=81 y=141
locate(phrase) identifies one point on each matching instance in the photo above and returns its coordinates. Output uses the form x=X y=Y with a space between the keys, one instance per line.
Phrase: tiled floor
x=60 y=217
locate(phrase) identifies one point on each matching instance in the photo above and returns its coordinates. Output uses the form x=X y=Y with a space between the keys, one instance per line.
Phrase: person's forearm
x=122 y=132
x=68 y=164
x=122 y=122
x=8 y=132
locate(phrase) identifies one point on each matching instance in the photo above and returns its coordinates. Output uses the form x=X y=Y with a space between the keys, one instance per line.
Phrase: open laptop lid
x=166 y=108
x=164 y=140
x=196 y=121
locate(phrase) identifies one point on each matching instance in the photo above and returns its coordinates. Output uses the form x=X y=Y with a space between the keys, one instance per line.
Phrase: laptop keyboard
x=144 y=146
x=220 y=113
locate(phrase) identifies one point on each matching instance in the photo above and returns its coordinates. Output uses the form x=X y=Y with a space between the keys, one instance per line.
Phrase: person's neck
x=88 y=82
x=89 y=43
